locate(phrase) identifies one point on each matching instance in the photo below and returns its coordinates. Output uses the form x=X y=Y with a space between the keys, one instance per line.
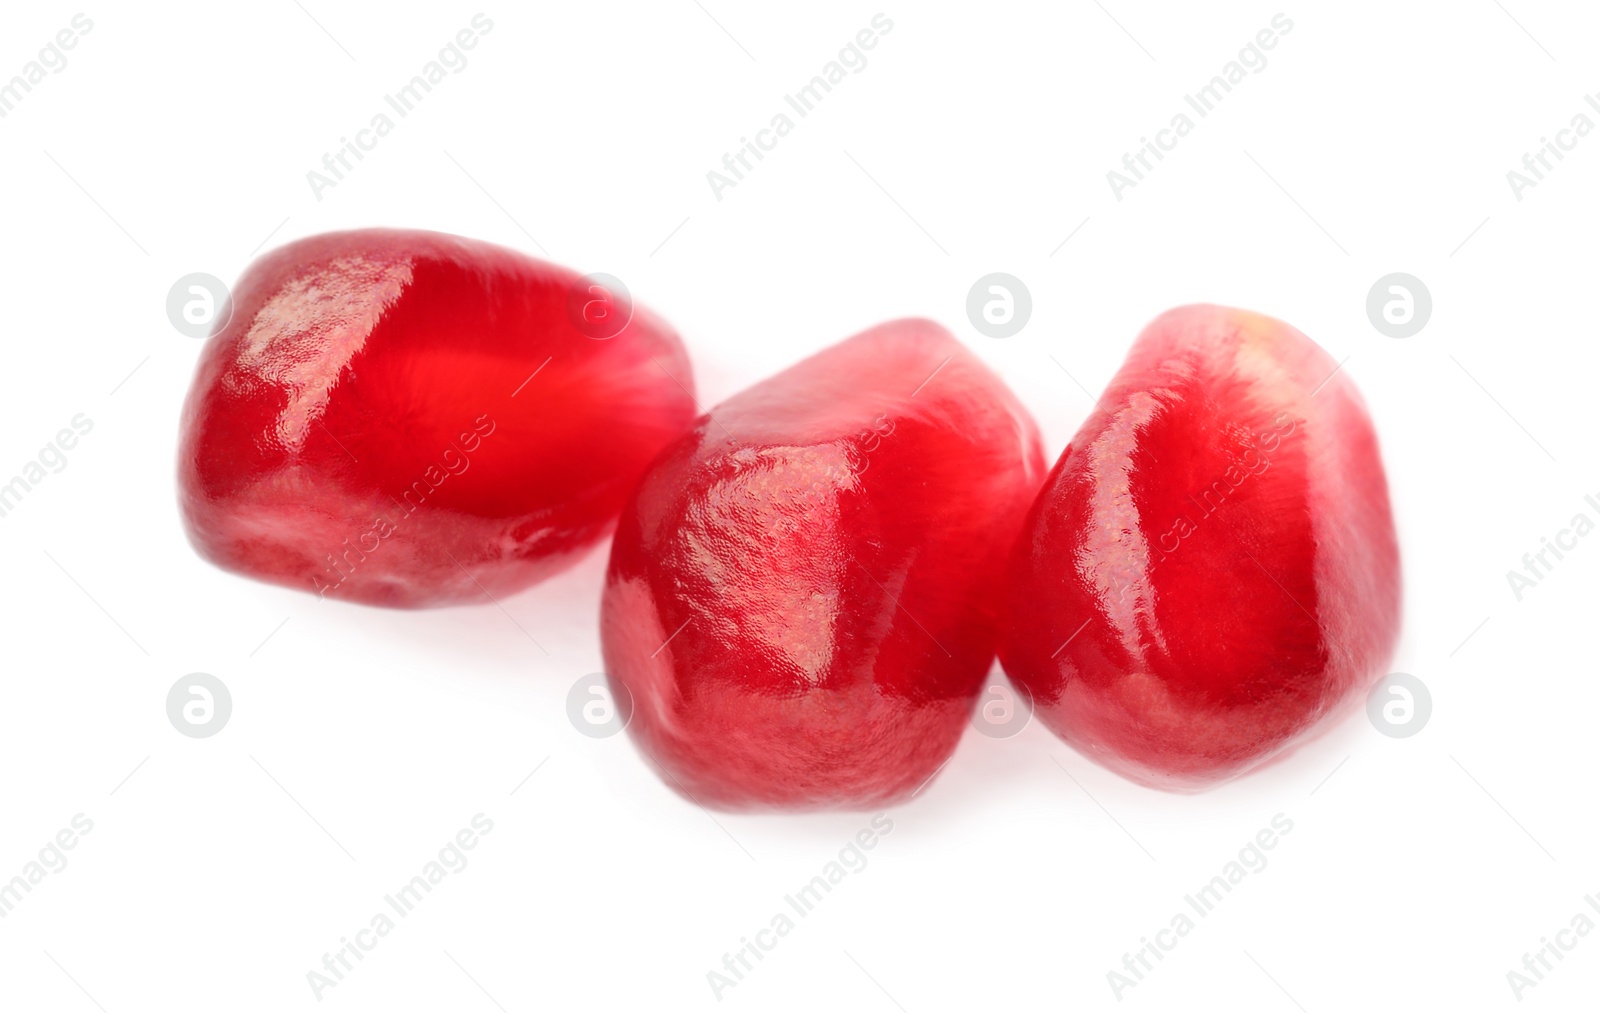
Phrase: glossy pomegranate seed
x=1211 y=569
x=414 y=419
x=801 y=595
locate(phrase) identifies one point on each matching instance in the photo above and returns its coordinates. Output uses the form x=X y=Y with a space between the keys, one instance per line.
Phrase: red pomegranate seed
x=801 y=596
x=1211 y=569
x=414 y=419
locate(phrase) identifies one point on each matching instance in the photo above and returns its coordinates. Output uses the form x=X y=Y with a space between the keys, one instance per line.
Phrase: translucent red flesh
x=1211 y=569
x=801 y=595
x=364 y=426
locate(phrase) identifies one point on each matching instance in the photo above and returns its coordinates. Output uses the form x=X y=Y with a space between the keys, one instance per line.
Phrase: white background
x=219 y=871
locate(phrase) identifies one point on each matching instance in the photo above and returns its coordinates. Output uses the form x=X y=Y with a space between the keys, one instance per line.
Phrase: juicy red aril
x=412 y=419
x=800 y=601
x=1211 y=569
